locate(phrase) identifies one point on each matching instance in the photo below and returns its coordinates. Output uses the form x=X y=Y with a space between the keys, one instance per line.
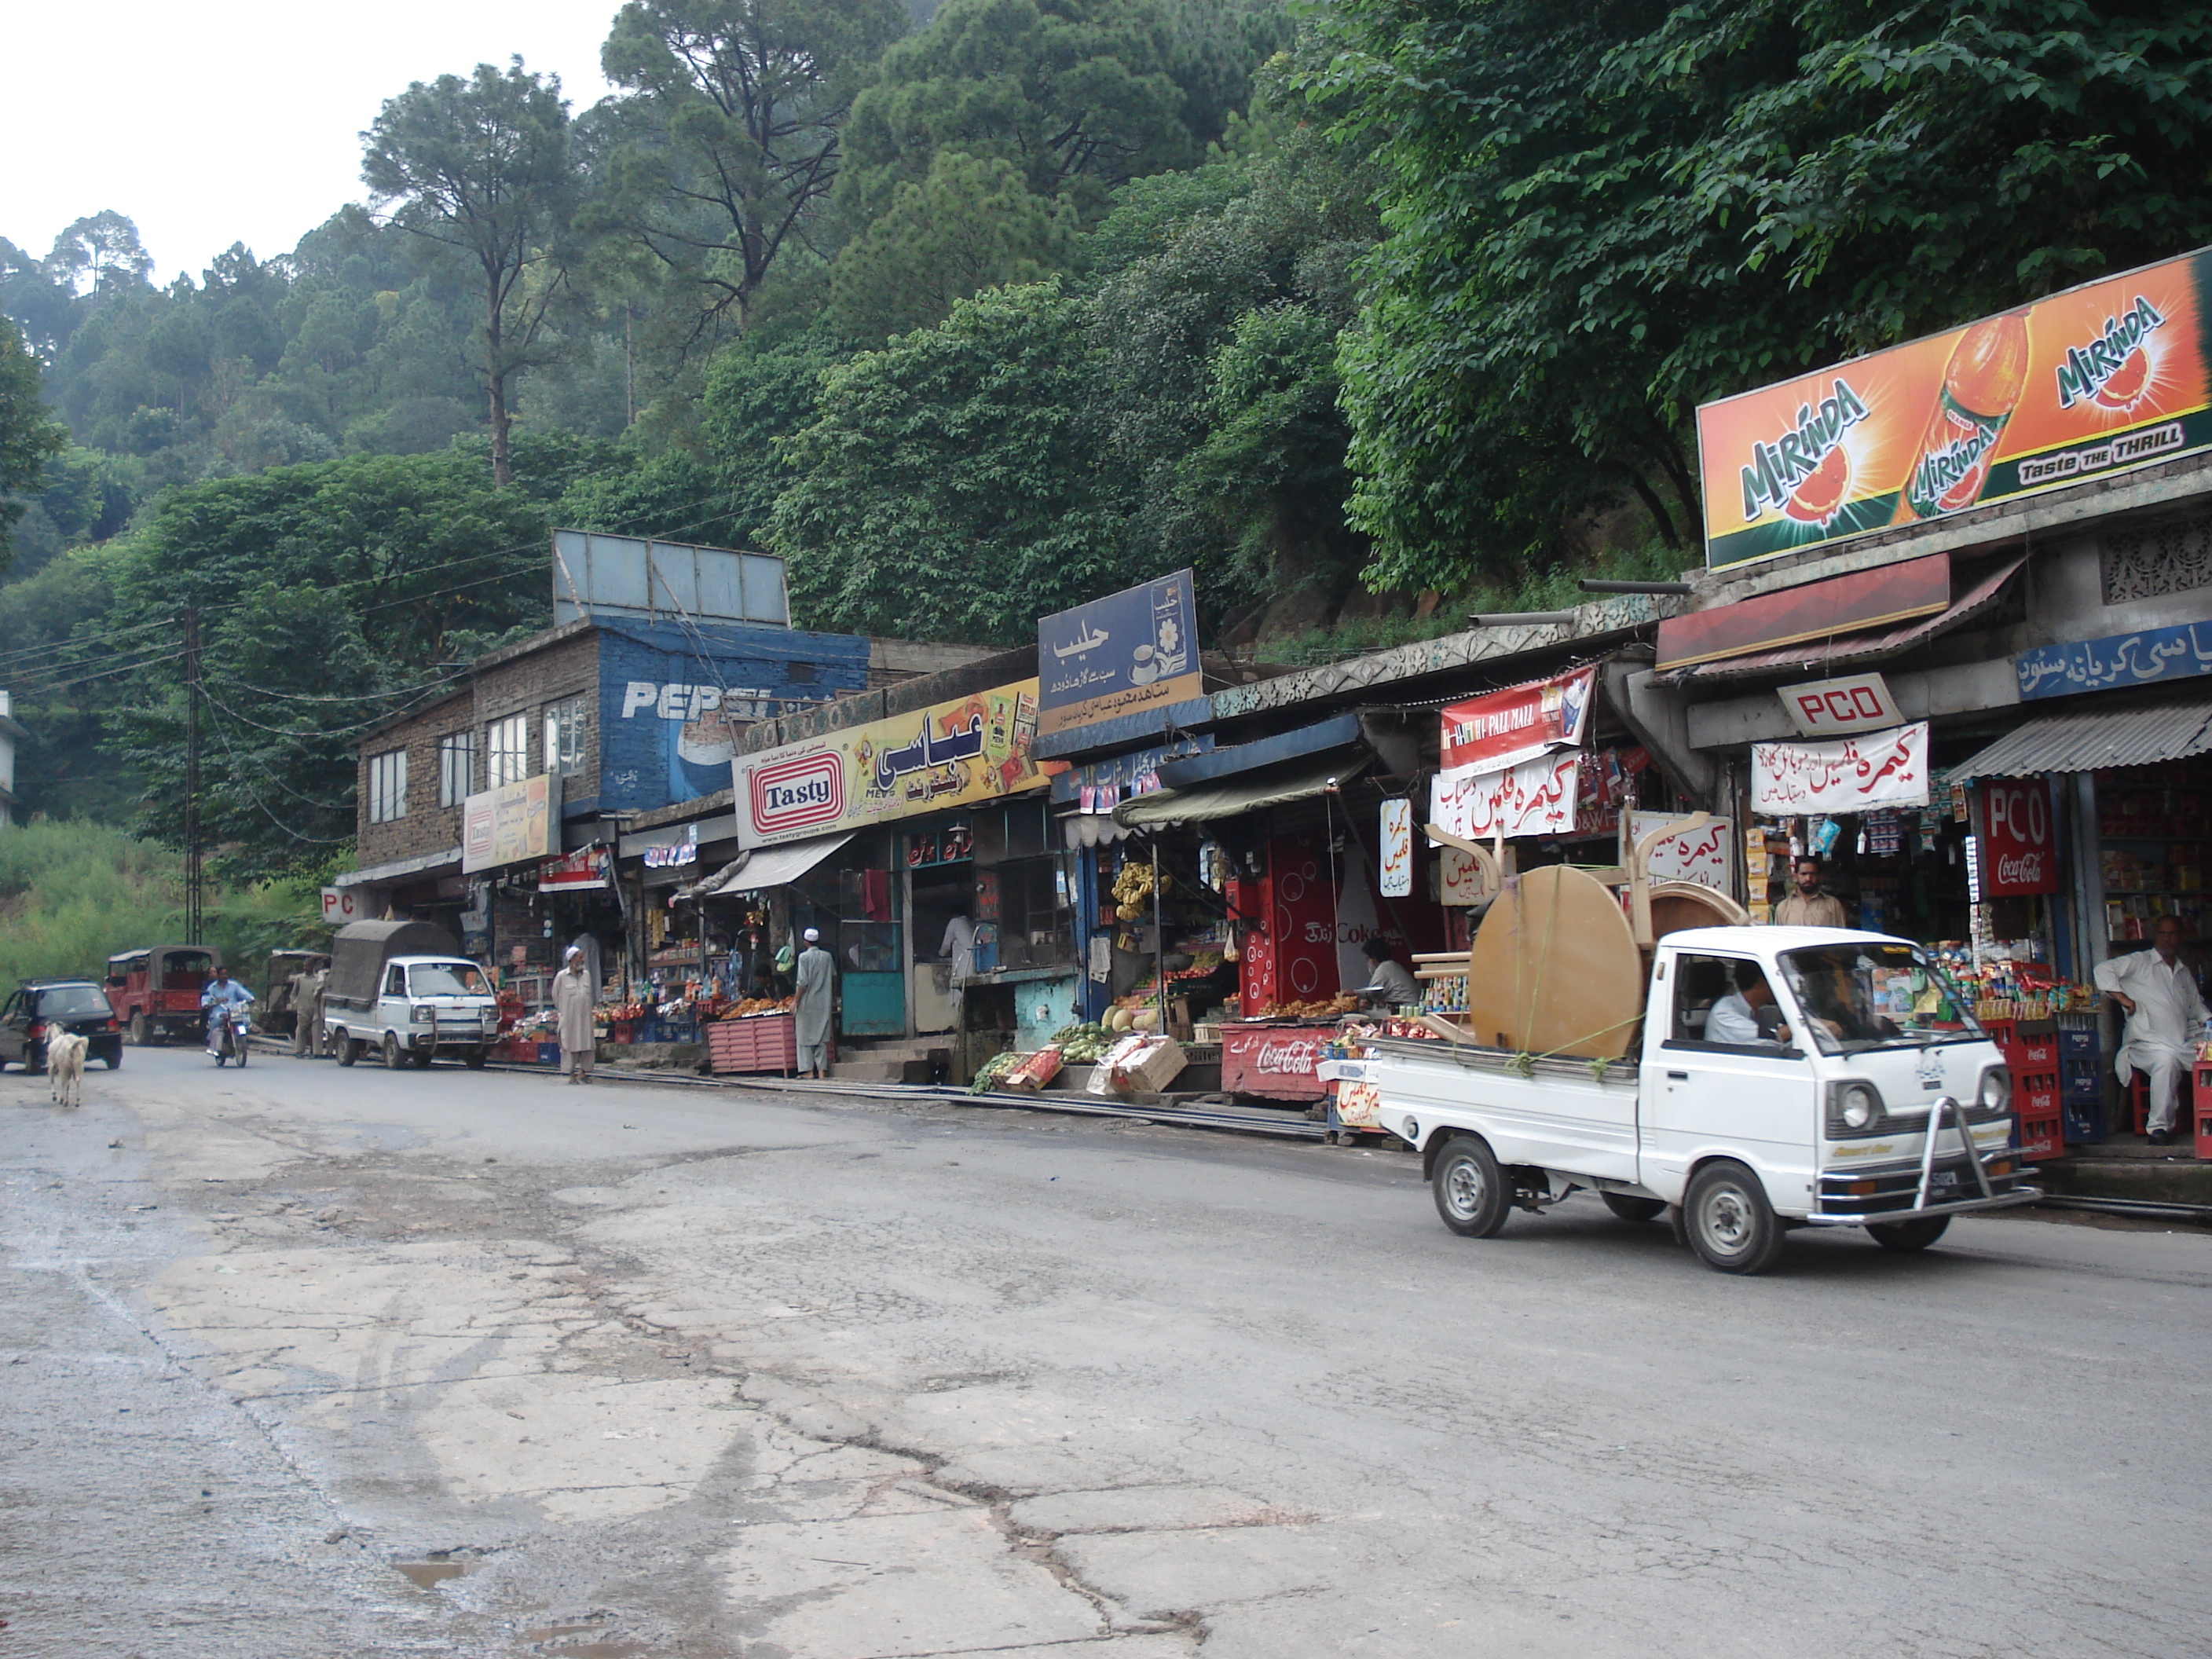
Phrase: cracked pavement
x=304 y=1361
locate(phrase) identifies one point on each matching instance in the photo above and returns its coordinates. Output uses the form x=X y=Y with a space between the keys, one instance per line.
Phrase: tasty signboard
x=2093 y=381
x=971 y=749
x=512 y=823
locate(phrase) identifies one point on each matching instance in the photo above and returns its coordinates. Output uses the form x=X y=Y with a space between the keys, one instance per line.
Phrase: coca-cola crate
x=2041 y=1138
x=2000 y=1032
x=2036 y=1103
x=2032 y=1049
x=1275 y=1062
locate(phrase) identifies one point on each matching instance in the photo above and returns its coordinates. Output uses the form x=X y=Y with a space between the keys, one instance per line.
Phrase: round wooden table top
x=1554 y=968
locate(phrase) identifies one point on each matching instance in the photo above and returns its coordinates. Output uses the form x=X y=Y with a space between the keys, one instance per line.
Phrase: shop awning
x=768 y=866
x=1814 y=655
x=1244 y=793
x=2088 y=742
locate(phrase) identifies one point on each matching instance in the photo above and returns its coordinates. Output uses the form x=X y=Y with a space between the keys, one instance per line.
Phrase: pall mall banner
x=2097 y=380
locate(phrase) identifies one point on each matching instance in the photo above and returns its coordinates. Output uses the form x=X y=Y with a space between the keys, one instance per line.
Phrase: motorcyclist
x=222 y=995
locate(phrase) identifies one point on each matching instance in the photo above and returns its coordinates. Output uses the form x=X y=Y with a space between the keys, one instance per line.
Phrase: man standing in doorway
x=1810 y=906
x=2164 y=1009
x=817 y=980
x=572 y=1009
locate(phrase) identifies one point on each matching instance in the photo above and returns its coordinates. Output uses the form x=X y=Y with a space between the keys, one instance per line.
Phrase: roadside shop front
x=911 y=820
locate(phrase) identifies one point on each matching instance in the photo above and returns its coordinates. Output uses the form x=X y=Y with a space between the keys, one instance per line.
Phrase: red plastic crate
x=2035 y=1103
x=2041 y=1138
x=2032 y=1054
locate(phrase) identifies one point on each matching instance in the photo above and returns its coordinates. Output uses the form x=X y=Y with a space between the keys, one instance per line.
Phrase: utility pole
x=195 y=905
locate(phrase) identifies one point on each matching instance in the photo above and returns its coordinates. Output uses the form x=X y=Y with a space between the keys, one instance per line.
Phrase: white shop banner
x=1887 y=769
x=1536 y=798
x=1700 y=854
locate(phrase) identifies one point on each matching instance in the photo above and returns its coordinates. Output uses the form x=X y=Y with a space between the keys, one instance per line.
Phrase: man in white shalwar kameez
x=817 y=989
x=2165 y=1011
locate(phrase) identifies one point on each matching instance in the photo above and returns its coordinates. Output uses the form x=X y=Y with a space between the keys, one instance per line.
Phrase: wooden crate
x=767 y=1042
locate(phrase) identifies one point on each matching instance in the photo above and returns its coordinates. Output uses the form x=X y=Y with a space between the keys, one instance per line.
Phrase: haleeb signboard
x=2097 y=380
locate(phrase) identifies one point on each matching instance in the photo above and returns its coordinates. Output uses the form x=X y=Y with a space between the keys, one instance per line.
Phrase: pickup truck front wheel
x=1909 y=1235
x=1730 y=1224
x=1471 y=1191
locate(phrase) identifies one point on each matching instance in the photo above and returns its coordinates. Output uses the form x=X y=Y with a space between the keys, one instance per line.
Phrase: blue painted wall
x=661 y=688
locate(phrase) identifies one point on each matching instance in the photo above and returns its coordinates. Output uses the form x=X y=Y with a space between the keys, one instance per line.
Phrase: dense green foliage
x=28 y=435
x=72 y=895
x=1601 y=213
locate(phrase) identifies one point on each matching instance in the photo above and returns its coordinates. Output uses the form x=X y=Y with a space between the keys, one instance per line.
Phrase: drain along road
x=313 y=1362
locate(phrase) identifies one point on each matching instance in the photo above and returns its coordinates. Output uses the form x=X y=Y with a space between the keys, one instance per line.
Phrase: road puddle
x=428 y=1575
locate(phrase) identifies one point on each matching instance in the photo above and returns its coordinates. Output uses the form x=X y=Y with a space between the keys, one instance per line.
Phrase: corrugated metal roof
x=2088 y=742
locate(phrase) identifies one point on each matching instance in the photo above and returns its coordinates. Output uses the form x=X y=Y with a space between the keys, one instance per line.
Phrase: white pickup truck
x=402 y=988
x=1788 y=1077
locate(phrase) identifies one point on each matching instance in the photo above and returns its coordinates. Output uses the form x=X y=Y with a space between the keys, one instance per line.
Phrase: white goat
x=65 y=1068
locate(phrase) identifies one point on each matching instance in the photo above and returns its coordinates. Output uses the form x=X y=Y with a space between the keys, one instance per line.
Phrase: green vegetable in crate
x=988 y=1075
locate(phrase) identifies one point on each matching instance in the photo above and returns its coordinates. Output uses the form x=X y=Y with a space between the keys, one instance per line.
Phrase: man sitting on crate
x=2164 y=1009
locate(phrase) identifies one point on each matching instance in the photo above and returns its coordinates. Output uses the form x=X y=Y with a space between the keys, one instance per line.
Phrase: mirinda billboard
x=2100 y=380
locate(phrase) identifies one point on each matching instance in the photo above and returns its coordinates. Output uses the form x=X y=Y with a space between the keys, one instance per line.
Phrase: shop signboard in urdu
x=1535 y=798
x=511 y=823
x=1131 y=653
x=1396 y=878
x=2142 y=658
x=2092 y=382
x=1508 y=759
x=1699 y=854
x=960 y=753
x=2017 y=843
x=1887 y=768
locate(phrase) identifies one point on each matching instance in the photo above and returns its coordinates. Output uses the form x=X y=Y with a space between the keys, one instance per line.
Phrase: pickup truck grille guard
x=1903 y=1193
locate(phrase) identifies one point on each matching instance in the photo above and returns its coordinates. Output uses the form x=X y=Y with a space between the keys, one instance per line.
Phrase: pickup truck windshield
x=440 y=979
x=1860 y=996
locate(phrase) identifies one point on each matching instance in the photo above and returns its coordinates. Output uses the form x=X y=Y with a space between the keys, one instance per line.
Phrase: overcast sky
x=238 y=120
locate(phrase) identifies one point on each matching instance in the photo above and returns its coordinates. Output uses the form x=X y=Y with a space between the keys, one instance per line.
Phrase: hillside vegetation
x=72 y=895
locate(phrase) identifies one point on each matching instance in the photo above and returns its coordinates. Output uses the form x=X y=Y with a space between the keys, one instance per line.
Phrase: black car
x=32 y=1014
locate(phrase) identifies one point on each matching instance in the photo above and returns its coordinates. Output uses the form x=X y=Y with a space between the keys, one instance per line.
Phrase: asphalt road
x=313 y=1362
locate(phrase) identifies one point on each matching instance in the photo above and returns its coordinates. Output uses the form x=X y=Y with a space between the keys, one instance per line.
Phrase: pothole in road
x=428 y=1575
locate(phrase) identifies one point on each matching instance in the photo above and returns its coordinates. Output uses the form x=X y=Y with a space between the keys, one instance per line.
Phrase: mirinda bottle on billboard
x=1982 y=383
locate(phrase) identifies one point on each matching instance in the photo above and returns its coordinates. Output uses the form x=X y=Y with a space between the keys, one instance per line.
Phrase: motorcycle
x=228 y=1038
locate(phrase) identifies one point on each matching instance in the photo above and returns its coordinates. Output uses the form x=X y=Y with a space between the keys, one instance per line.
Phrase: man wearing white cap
x=817 y=975
x=572 y=1007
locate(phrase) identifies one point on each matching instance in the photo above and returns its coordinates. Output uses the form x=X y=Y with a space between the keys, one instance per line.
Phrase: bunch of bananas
x=1133 y=887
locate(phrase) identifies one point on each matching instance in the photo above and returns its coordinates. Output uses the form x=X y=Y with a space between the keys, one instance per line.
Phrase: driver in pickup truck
x=1748 y=1017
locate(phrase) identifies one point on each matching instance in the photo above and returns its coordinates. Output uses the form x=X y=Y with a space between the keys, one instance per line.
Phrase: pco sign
x=1839 y=709
x=2019 y=851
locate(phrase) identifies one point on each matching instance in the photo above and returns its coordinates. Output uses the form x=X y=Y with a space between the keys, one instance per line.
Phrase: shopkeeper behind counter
x=1388 y=982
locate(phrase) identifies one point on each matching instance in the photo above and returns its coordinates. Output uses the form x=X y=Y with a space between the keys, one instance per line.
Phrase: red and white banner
x=2019 y=848
x=1502 y=728
x=1535 y=798
x=1887 y=769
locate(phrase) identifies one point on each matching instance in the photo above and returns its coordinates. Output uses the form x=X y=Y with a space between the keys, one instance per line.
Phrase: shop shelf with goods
x=2154 y=854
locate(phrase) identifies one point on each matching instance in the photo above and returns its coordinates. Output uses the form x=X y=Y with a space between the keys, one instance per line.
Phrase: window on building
x=564 y=735
x=388 y=786
x=456 y=768
x=506 y=750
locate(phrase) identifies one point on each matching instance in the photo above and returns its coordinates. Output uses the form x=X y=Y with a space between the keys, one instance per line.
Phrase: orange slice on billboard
x=1815 y=501
x=2124 y=389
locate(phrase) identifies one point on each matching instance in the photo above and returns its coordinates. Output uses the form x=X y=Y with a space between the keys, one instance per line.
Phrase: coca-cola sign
x=1273 y=1061
x=2017 y=845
